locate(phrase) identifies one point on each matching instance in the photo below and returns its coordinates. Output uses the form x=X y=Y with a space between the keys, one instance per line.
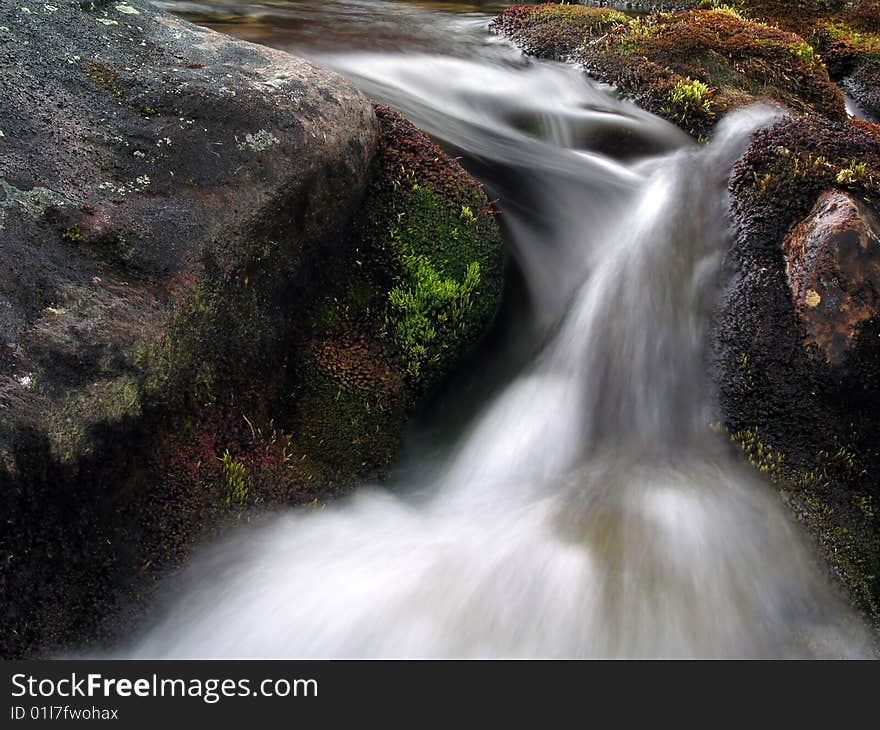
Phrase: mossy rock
x=806 y=420
x=193 y=326
x=419 y=287
x=846 y=34
x=690 y=67
x=555 y=31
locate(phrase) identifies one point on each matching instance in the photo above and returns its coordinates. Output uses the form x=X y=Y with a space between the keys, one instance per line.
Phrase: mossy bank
x=231 y=280
x=690 y=67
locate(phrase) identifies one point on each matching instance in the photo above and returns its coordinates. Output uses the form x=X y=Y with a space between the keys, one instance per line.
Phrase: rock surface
x=201 y=312
x=797 y=335
x=143 y=156
x=833 y=270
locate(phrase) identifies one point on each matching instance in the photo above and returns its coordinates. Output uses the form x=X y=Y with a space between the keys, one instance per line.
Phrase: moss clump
x=693 y=67
x=555 y=31
x=688 y=99
x=843 y=522
x=419 y=283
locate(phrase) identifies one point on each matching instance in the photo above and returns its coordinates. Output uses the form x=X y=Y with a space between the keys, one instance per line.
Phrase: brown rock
x=833 y=270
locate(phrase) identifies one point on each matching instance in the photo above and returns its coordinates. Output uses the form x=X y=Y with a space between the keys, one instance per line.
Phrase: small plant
x=854 y=172
x=72 y=234
x=865 y=504
x=804 y=53
x=691 y=94
x=734 y=8
x=426 y=303
x=762 y=456
x=236 y=481
x=689 y=105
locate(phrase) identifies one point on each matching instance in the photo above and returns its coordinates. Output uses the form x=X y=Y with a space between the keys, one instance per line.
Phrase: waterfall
x=586 y=510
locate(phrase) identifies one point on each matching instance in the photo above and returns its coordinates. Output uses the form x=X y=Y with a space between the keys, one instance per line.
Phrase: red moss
x=654 y=58
x=554 y=31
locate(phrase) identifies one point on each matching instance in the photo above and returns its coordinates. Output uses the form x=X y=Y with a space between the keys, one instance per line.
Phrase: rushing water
x=585 y=509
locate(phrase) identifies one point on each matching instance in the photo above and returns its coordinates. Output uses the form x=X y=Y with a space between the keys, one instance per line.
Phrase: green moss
x=72 y=234
x=761 y=455
x=687 y=98
x=415 y=287
x=427 y=312
x=349 y=432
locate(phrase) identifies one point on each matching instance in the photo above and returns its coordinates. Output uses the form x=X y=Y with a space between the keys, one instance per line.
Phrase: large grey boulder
x=166 y=195
x=144 y=158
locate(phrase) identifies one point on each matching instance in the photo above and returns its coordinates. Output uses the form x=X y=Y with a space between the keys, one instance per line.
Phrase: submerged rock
x=797 y=337
x=190 y=323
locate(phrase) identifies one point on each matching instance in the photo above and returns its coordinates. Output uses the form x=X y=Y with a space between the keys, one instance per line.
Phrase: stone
x=833 y=271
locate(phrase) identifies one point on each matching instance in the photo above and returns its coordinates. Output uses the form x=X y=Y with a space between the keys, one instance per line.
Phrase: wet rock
x=147 y=161
x=833 y=269
x=191 y=325
x=864 y=84
x=797 y=335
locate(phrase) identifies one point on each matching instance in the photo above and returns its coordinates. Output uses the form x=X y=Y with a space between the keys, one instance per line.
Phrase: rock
x=846 y=34
x=833 y=270
x=797 y=335
x=202 y=312
x=691 y=68
x=146 y=160
x=864 y=84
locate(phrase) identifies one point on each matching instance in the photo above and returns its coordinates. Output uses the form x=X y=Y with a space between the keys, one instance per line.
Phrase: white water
x=586 y=511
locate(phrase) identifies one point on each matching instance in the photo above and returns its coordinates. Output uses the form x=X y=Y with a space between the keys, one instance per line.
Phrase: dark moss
x=809 y=425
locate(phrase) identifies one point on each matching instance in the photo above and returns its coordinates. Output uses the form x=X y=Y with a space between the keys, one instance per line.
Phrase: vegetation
x=690 y=67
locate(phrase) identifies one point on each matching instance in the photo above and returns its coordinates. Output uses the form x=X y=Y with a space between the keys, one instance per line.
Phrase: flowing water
x=585 y=509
